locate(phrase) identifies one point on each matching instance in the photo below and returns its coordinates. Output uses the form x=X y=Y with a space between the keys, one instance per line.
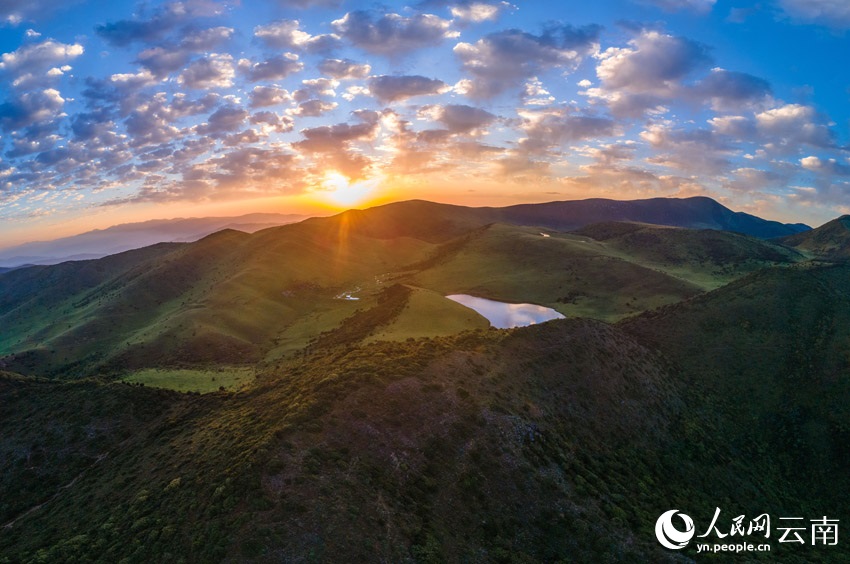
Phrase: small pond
x=504 y=316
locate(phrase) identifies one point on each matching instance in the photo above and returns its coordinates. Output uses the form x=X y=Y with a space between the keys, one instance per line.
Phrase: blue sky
x=120 y=111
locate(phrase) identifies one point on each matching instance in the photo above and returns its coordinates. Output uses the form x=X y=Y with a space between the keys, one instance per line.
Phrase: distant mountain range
x=693 y=213
x=119 y=238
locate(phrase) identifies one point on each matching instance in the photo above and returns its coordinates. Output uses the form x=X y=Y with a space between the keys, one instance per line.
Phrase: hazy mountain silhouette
x=124 y=237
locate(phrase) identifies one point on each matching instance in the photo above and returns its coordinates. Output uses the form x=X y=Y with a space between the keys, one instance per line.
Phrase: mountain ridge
x=697 y=213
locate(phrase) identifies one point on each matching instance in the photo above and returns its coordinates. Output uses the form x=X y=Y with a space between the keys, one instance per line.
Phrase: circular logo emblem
x=671 y=537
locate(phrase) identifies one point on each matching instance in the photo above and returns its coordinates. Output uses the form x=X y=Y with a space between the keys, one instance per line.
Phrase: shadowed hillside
x=560 y=442
x=768 y=357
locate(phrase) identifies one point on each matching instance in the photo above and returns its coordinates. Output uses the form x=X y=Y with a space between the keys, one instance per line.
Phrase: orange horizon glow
x=336 y=193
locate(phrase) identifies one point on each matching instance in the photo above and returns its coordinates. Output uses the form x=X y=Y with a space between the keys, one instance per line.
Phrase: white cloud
x=213 y=71
x=699 y=6
x=655 y=62
x=14 y=12
x=343 y=69
x=396 y=88
x=458 y=118
x=825 y=166
x=650 y=71
x=504 y=60
x=274 y=68
x=265 y=96
x=38 y=56
x=688 y=150
x=476 y=12
x=554 y=128
x=830 y=13
x=791 y=125
x=31 y=108
x=738 y=127
x=730 y=91
x=226 y=119
x=392 y=34
x=286 y=34
x=535 y=94
x=313 y=108
x=314 y=88
x=751 y=180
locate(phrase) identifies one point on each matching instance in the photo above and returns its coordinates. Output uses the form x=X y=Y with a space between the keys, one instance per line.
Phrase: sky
x=121 y=111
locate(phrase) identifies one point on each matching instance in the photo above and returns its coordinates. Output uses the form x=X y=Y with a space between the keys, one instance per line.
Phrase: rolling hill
x=830 y=241
x=237 y=299
x=695 y=213
x=353 y=413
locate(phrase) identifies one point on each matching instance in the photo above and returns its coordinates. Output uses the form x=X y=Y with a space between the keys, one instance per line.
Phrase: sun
x=340 y=191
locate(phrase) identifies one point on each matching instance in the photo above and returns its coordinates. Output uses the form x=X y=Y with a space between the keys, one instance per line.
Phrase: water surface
x=504 y=316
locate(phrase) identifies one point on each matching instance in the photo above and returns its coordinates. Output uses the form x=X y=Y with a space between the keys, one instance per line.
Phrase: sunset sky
x=123 y=111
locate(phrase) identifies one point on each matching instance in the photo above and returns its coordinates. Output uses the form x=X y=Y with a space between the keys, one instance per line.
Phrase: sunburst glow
x=341 y=191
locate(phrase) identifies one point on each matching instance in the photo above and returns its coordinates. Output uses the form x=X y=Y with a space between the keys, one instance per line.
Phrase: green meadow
x=192 y=380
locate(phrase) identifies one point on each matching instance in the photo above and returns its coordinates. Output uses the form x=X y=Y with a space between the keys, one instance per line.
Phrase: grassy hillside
x=428 y=314
x=186 y=380
x=707 y=258
x=237 y=299
x=605 y=271
x=223 y=299
x=830 y=241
